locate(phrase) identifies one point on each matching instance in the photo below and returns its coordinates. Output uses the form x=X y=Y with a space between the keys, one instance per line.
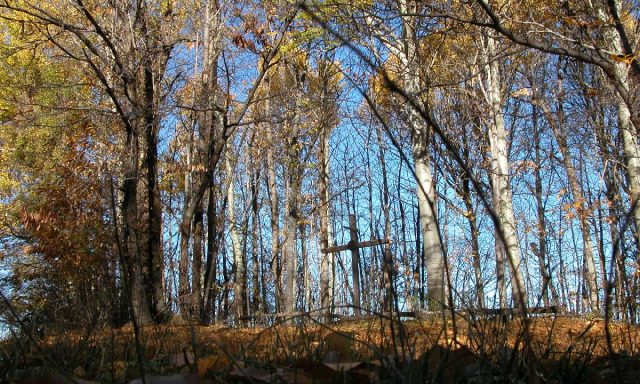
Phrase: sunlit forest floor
x=538 y=350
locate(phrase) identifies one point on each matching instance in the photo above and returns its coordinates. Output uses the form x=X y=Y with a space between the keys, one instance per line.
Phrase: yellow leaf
x=205 y=364
x=625 y=59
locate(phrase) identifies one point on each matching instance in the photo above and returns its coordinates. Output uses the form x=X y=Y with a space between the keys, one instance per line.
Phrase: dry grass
x=541 y=349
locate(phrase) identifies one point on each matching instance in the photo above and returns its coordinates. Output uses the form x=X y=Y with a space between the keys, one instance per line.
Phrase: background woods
x=216 y=161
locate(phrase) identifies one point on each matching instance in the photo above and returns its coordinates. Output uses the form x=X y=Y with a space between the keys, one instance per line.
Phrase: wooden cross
x=353 y=245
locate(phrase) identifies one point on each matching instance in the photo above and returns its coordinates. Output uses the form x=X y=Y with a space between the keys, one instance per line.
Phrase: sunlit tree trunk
x=328 y=259
x=290 y=255
x=500 y=171
x=425 y=188
x=274 y=203
x=627 y=79
x=207 y=132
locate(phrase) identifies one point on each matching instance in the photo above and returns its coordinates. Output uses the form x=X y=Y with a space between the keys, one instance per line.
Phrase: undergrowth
x=303 y=349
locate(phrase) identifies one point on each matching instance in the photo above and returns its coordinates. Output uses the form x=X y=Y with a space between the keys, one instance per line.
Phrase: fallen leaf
x=205 y=364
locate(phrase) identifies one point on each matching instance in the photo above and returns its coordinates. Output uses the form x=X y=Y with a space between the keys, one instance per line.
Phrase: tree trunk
x=239 y=259
x=355 y=263
x=276 y=267
x=506 y=225
x=291 y=224
x=419 y=142
x=626 y=78
x=183 y=269
x=612 y=192
x=140 y=309
x=257 y=303
x=540 y=250
x=196 y=266
x=501 y=258
x=185 y=235
x=211 y=267
x=475 y=240
x=274 y=204
x=464 y=190
x=212 y=139
x=632 y=161
x=155 y=259
x=306 y=276
x=327 y=263
x=390 y=294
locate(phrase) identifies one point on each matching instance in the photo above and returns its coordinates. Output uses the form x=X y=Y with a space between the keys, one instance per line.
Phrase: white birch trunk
x=632 y=159
x=629 y=132
x=425 y=189
x=500 y=170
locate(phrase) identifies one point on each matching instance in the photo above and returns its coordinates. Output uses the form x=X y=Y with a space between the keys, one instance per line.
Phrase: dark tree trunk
x=154 y=260
x=540 y=250
x=255 y=254
x=131 y=226
x=196 y=265
x=355 y=263
x=210 y=275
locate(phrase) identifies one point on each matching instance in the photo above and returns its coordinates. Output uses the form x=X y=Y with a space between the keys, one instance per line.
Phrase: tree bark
x=155 y=257
x=274 y=205
x=210 y=275
x=196 y=264
x=327 y=263
x=506 y=226
x=434 y=258
x=185 y=233
x=475 y=237
x=139 y=305
x=615 y=210
x=290 y=255
x=257 y=303
x=540 y=250
x=390 y=294
x=239 y=259
x=355 y=263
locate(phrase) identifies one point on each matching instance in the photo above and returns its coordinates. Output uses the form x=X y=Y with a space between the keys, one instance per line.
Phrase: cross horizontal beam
x=355 y=245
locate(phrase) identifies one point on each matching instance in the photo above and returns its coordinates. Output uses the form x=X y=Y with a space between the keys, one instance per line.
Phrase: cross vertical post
x=354 y=246
x=355 y=263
